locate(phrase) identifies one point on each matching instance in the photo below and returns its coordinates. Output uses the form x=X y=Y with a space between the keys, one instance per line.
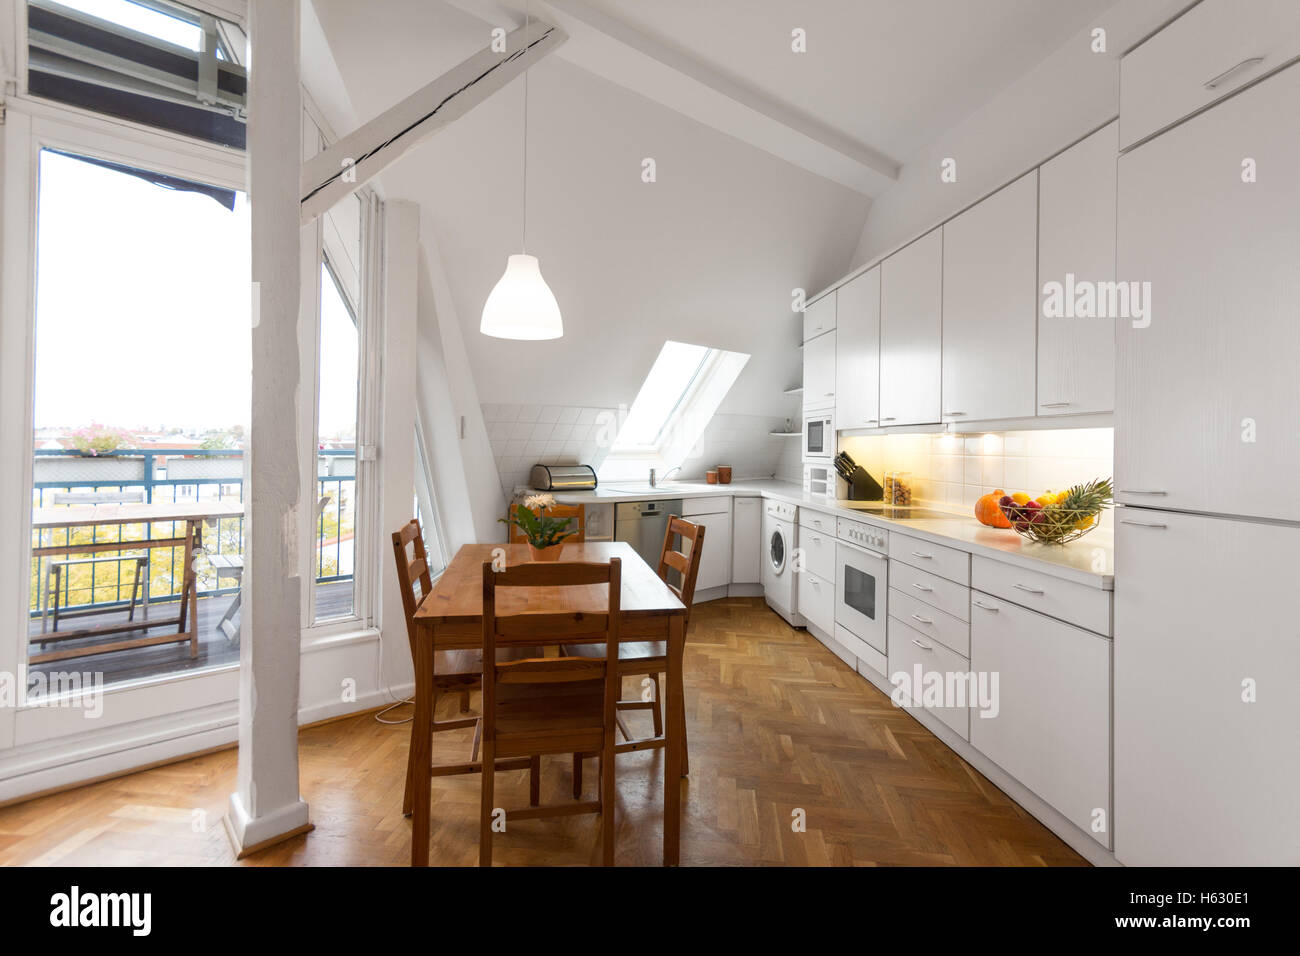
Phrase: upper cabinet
x=1207 y=351
x=819 y=365
x=990 y=306
x=857 y=352
x=1216 y=47
x=819 y=317
x=911 y=337
x=1076 y=252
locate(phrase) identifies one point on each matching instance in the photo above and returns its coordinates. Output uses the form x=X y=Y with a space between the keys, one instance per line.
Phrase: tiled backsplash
x=525 y=435
x=957 y=469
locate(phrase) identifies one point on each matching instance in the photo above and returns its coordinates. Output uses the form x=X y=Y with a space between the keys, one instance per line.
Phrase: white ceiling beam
x=363 y=154
x=622 y=54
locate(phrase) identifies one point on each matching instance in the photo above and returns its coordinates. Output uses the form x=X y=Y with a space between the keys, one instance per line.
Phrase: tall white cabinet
x=1076 y=246
x=857 y=352
x=990 y=310
x=911 y=332
x=1207 y=403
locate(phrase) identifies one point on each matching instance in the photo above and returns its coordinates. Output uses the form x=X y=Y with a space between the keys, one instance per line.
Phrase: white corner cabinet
x=1076 y=244
x=911 y=332
x=990 y=306
x=714 y=514
x=857 y=352
x=746 y=540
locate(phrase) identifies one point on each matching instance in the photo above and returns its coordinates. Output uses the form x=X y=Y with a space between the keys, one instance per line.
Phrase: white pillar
x=267 y=807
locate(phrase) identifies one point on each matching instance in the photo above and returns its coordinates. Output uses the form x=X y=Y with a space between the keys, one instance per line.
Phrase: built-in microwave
x=818 y=436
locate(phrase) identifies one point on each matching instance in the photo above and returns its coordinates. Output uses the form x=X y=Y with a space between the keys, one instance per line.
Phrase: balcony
x=100 y=593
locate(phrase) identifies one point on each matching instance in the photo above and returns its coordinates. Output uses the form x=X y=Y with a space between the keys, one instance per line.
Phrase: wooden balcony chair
x=457 y=672
x=557 y=511
x=555 y=705
x=649 y=659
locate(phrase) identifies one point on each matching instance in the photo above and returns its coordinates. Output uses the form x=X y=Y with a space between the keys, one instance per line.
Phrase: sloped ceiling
x=709 y=253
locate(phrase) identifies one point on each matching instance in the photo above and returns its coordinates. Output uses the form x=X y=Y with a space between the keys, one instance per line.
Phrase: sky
x=143 y=308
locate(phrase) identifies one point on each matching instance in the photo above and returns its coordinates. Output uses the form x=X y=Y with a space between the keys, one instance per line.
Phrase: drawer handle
x=889 y=418
x=918 y=554
x=924 y=647
x=923 y=620
x=868 y=421
x=1143 y=524
x=987 y=607
x=1053 y=404
x=954 y=414
x=1131 y=491
x=1027 y=588
x=1248 y=62
x=922 y=587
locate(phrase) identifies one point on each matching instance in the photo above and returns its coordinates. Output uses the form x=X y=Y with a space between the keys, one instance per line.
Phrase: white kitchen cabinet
x=1207 y=656
x=1206 y=397
x=819 y=372
x=746 y=540
x=820 y=317
x=911 y=332
x=990 y=326
x=909 y=650
x=715 y=564
x=1215 y=47
x=1052 y=725
x=857 y=352
x=1076 y=250
x=816 y=599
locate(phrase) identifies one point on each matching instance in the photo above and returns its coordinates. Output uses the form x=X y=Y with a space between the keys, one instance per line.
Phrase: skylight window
x=675 y=371
x=142 y=19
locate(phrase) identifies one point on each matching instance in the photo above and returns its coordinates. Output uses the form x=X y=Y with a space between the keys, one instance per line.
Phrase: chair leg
x=464 y=702
x=686 y=760
x=577 y=776
x=607 y=800
x=657 y=711
x=408 y=796
x=535 y=781
x=485 y=804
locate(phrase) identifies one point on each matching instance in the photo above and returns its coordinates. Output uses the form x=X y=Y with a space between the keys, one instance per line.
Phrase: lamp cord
x=523 y=242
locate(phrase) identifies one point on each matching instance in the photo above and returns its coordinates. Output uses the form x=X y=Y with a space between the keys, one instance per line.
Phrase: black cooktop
x=896 y=512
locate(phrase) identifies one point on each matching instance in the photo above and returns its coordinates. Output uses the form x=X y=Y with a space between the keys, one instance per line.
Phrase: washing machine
x=780 y=530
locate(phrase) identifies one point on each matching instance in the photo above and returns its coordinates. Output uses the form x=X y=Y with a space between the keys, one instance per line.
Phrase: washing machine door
x=778 y=551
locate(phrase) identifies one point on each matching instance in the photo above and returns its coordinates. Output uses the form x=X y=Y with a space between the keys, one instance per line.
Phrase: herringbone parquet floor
x=777 y=725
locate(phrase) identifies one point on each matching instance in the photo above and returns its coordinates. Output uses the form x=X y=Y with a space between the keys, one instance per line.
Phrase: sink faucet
x=653 y=484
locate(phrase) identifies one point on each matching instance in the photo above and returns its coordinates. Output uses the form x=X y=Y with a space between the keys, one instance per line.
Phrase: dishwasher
x=642 y=524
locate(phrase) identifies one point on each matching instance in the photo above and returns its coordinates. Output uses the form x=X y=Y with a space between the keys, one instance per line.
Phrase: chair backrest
x=578 y=512
x=684 y=560
x=576 y=628
x=97 y=497
x=410 y=572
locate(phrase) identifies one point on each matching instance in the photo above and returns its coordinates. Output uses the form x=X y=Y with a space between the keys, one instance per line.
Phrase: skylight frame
x=700 y=375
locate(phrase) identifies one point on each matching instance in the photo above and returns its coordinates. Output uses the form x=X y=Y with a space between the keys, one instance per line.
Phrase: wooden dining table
x=450 y=617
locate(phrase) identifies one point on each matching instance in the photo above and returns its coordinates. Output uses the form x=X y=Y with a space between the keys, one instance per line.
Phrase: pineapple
x=1087 y=501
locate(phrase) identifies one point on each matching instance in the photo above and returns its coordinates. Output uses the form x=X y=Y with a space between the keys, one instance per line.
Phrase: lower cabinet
x=746 y=540
x=714 y=513
x=930 y=675
x=1050 y=728
x=817 y=600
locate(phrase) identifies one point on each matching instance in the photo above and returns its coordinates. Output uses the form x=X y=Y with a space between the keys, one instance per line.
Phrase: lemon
x=1020 y=498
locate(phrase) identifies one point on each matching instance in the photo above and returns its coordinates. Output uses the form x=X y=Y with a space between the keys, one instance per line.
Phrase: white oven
x=862 y=581
x=819 y=437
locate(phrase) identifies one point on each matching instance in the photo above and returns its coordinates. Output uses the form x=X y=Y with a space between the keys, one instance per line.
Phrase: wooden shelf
x=797 y=390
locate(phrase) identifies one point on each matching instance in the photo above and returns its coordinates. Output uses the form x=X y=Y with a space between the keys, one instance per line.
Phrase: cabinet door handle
x=1143 y=524
x=922 y=587
x=923 y=620
x=987 y=607
x=1248 y=62
x=889 y=419
x=918 y=554
x=868 y=421
x=1136 y=491
x=1027 y=588
x=924 y=647
x=954 y=414
x=829 y=394
x=1053 y=404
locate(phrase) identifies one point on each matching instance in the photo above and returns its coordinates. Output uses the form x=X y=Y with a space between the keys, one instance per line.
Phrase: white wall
x=1068 y=94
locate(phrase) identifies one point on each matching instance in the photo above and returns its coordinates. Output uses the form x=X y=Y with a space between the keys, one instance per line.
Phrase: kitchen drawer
x=819 y=317
x=1214 y=48
x=952 y=632
x=818 y=550
x=907 y=649
x=863 y=651
x=817 y=521
x=817 y=601
x=933 y=590
x=1068 y=600
x=710 y=505
x=936 y=558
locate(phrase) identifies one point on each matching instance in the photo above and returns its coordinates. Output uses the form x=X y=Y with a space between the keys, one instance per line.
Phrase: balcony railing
x=176 y=475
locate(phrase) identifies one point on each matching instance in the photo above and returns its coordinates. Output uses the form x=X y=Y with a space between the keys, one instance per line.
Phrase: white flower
x=536 y=503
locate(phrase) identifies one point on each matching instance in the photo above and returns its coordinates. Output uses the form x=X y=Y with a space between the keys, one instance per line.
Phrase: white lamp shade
x=521 y=304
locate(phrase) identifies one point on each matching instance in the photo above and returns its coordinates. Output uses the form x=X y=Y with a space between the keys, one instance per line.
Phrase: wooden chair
x=649 y=659
x=555 y=511
x=454 y=671
x=553 y=705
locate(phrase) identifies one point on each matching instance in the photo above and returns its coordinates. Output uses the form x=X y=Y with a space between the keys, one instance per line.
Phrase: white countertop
x=1090 y=560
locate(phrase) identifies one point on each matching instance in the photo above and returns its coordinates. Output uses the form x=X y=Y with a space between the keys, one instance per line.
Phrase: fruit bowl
x=1059 y=519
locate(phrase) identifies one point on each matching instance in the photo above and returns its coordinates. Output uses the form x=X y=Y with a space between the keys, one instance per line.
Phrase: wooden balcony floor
x=333 y=599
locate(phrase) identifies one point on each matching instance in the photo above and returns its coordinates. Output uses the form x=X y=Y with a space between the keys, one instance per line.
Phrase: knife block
x=862 y=487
